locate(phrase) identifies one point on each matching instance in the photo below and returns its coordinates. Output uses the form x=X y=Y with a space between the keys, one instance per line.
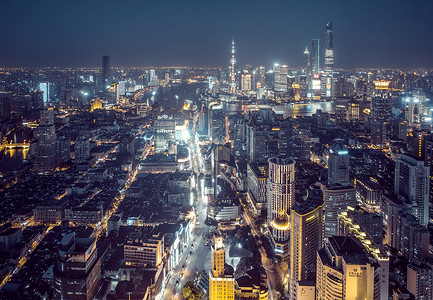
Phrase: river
x=175 y=96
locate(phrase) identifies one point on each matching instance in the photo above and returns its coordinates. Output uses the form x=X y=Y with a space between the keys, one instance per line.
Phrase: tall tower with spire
x=329 y=47
x=233 y=70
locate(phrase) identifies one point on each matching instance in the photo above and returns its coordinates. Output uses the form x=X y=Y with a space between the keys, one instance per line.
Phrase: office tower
x=338 y=164
x=346 y=270
x=428 y=161
x=64 y=148
x=6 y=105
x=37 y=99
x=326 y=85
x=217 y=124
x=412 y=182
x=280 y=77
x=46 y=147
x=420 y=279
x=337 y=199
x=233 y=70
x=315 y=56
x=77 y=273
x=82 y=149
x=307 y=62
x=105 y=80
x=257 y=189
x=45 y=87
x=221 y=280
x=246 y=82
x=165 y=132
x=379 y=133
x=306 y=238
x=281 y=198
x=329 y=48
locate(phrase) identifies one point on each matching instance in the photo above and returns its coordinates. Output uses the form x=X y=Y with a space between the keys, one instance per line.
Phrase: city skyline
x=197 y=34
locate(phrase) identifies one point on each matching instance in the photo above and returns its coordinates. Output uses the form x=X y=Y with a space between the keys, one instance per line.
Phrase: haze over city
x=225 y=150
x=195 y=33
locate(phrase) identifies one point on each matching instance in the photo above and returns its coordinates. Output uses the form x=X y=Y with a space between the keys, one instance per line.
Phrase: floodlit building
x=221 y=282
x=281 y=197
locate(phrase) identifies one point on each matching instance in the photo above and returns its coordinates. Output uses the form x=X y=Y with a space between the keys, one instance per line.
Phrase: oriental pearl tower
x=232 y=70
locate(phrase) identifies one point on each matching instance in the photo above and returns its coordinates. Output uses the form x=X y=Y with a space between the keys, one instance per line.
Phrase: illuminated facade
x=281 y=198
x=346 y=272
x=412 y=181
x=329 y=48
x=221 y=284
x=338 y=164
x=144 y=252
x=374 y=256
x=165 y=133
x=306 y=239
x=233 y=70
x=369 y=192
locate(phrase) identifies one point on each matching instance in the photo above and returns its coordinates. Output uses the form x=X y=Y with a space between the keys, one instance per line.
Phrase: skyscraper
x=315 y=57
x=105 y=80
x=281 y=198
x=77 y=274
x=45 y=87
x=338 y=164
x=412 y=181
x=306 y=239
x=307 y=62
x=221 y=283
x=329 y=48
x=233 y=70
x=46 y=148
x=345 y=271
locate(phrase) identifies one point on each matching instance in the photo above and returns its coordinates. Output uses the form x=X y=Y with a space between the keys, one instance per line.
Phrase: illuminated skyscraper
x=281 y=198
x=77 y=273
x=280 y=77
x=233 y=70
x=307 y=62
x=46 y=149
x=306 y=239
x=315 y=57
x=329 y=48
x=105 y=80
x=412 y=181
x=45 y=87
x=221 y=284
x=338 y=164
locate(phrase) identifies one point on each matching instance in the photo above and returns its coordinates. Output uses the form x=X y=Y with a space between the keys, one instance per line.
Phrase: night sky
x=379 y=33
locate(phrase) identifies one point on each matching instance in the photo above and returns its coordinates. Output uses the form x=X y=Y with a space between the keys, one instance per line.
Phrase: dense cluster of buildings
x=222 y=183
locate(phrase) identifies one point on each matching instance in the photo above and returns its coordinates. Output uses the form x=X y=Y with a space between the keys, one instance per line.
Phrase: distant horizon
x=138 y=33
x=208 y=67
